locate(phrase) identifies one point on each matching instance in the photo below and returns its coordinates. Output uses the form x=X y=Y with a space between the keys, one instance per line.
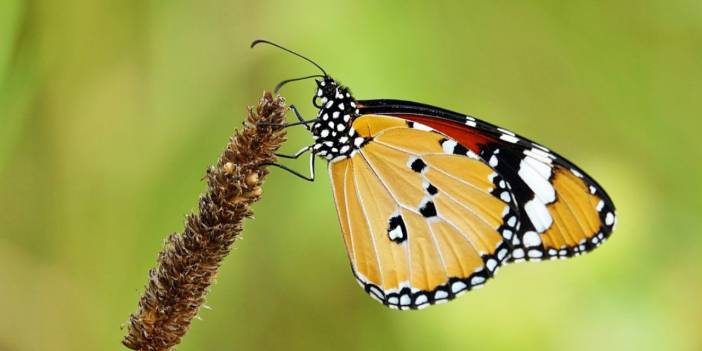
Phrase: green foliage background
x=110 y=111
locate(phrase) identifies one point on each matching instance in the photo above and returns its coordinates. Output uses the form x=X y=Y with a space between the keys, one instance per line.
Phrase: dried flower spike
x=188 y=262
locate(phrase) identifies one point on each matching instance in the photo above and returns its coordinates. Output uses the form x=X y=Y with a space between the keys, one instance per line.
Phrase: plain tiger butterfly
x=432 y=202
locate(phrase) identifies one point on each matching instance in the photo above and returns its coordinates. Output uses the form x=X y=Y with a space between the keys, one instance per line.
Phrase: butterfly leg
x=297 y=154
x=299 y=116
x=285 y=125
x=309 y=178
x=300 y=121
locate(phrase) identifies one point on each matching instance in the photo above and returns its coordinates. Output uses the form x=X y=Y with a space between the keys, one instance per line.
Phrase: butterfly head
x=330 y=94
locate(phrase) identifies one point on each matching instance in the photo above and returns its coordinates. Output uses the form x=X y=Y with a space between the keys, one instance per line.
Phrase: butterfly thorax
x=333 y=130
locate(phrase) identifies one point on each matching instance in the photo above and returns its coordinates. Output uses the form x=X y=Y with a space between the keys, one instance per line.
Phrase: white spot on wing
x=609 y=218
x=535 y=253
x=505 y=131
x=538 y=214
x=491 y=264
x=421 y=300
x=458 y=286
x=477 y=280
x=576 y=173
x=472 y=154
x=540 y=155
x=531 y=239
x=509 y=138
x=540 y=147
x=448 y=145
x=536 y=174
x=507 y=234
x=512 y=221
x=420 y=126
x=396 y=233
x=543 y=168
x=505 y=196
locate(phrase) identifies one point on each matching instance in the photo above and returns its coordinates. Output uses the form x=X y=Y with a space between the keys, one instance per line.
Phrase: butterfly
x=433 y=202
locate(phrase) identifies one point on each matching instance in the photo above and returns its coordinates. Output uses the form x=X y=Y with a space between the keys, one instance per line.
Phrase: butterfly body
x=333 y=131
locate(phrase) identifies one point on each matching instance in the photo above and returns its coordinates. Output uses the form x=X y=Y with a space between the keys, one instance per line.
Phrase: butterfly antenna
x=259 y=41
x=280 y=85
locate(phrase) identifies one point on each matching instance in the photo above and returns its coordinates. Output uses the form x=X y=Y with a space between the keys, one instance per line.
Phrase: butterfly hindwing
x=423 y=219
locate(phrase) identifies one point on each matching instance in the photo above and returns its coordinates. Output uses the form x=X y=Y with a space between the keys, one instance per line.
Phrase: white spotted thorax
x=334 y=136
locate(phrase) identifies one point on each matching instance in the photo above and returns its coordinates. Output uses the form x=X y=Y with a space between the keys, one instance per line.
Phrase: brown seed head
x=188 y=262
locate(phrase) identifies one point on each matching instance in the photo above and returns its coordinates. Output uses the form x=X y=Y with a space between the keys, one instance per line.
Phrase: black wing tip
x=407 y=298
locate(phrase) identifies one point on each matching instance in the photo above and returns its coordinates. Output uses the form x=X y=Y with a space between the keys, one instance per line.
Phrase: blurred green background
x=110 y=111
